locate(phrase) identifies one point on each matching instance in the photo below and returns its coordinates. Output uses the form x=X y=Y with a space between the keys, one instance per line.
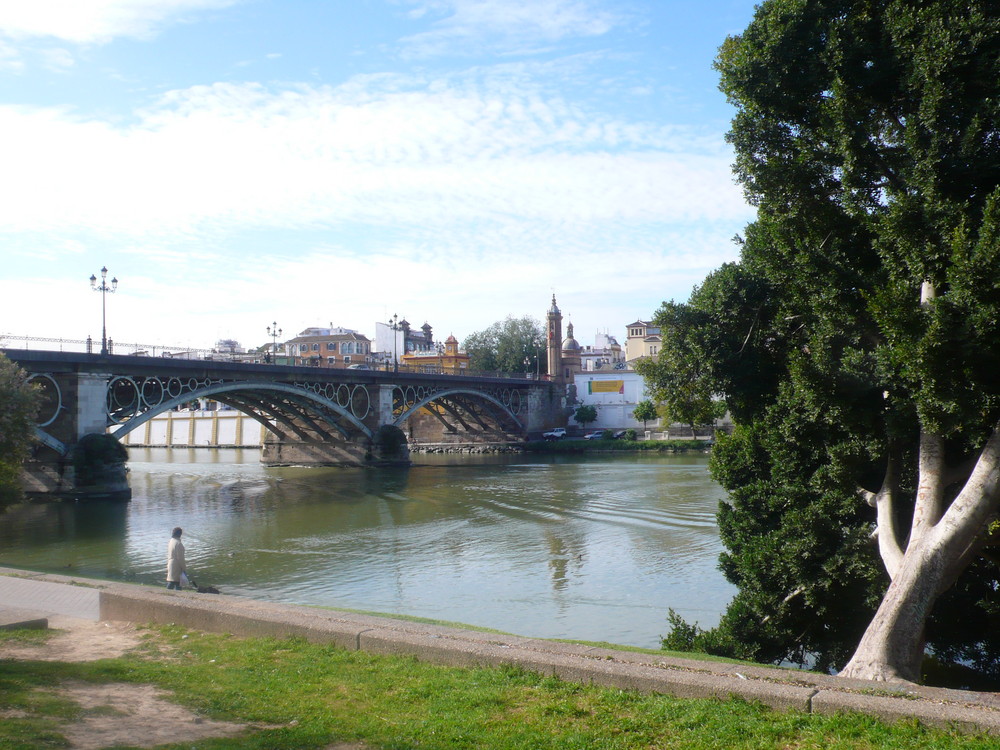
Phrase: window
x=331 y=360
x=303 y=347
x=315 y=347
x=347 y=359
x=331 y=346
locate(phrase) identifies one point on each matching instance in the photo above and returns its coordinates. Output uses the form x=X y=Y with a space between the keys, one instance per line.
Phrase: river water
x=591 y=547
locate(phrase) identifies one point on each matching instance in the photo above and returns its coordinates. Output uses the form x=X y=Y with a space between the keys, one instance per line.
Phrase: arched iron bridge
x=292 y=402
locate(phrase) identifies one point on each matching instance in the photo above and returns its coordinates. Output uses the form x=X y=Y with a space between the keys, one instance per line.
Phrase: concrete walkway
x=36 y=595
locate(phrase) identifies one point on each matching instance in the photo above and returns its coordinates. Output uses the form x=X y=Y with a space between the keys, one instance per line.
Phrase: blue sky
x=238 y=162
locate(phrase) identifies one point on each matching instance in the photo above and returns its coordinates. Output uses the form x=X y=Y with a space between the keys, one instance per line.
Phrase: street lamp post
x=273 y=331
x=395 y=337
x=103 y=288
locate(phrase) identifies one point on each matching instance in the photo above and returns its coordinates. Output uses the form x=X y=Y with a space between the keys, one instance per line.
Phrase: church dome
x=570 y=343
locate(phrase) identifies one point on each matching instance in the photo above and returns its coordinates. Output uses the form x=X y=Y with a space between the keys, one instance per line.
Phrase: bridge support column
x=91 y=404
x=385 y=404
x=92 y=464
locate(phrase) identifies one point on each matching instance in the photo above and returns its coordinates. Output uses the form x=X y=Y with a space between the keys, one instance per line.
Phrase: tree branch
x=889 y=548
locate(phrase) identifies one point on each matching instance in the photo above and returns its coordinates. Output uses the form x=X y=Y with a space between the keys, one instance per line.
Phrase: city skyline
x=240 y=162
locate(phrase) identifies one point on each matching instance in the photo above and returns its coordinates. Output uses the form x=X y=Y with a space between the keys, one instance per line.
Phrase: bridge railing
x=92 y=346
x=89 y=346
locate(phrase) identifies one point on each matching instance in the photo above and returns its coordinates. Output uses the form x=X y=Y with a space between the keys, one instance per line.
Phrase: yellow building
x=447 y=360
x=643 y=340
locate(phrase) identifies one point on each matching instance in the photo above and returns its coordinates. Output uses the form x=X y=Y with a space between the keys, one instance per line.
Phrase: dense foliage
x=684 y=394
x=862 y=323
x=509 y=345
x=19 y=402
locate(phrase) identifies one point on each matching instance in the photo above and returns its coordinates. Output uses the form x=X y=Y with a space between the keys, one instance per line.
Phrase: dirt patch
x=113 y=713
x=79 y=640
x=121 y=713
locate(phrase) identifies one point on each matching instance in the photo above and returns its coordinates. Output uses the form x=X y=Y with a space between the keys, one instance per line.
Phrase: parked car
x=619 y=434
x=358 y=367
x=594 y=435
x=557 y=434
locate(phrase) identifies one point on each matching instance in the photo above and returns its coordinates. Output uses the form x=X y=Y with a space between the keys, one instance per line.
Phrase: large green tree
x=19 y=402
x=685 y=393
x=509 y=345
x=645 y=410
x=857 y=342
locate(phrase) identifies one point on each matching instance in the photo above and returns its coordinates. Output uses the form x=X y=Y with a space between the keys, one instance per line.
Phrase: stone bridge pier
x=73 y=455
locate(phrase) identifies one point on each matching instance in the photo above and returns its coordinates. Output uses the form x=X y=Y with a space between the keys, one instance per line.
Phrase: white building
x=390 y=345
x=614 y=393
x=605 y=354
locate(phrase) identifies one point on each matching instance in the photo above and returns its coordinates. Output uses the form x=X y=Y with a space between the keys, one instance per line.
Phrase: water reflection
x=594 y=549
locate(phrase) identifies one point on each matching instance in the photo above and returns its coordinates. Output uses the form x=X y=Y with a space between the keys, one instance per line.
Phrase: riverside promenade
x=28 y=599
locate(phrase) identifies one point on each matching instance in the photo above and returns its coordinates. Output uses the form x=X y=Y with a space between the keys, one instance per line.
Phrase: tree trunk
x=940 y=547
x=892 y=647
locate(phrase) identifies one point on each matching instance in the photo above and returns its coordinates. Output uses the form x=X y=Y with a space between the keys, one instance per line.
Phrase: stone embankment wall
x=466 y=448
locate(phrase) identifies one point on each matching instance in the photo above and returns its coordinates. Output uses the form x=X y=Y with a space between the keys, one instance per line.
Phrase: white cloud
x=455 y=201
x=224 y=157
x=466 y=27
x=94 y=21
x=10 y=59
x=57 y=60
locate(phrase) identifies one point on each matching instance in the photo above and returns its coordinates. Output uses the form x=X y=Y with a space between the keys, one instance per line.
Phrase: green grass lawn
x=310 y=696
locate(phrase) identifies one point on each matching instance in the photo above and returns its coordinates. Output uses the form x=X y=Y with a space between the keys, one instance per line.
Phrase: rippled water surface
x=593 y=548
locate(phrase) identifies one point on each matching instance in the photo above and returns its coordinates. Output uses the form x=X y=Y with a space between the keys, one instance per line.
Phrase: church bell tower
x=554 y=343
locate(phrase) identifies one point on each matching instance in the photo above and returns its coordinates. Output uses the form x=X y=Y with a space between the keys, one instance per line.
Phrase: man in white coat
x=175 y=560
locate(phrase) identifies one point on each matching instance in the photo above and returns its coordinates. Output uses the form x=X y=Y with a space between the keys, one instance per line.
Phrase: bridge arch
x=461 y=404
x=263 y=410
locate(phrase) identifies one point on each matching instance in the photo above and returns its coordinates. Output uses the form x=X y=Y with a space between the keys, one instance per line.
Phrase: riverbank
x=567 y=445
x=605 y=445
x=584 y=679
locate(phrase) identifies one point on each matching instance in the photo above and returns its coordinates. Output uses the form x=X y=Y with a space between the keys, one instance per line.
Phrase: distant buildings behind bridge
x=599 y=375
x=400 y=345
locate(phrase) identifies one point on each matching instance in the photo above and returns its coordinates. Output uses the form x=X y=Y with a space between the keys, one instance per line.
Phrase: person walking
x=175 y=560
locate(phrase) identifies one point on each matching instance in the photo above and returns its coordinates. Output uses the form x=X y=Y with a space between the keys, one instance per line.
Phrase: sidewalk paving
x=32 y=592
x=41 y=595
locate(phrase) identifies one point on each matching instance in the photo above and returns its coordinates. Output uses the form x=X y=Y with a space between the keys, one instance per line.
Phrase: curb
x=781 y=689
